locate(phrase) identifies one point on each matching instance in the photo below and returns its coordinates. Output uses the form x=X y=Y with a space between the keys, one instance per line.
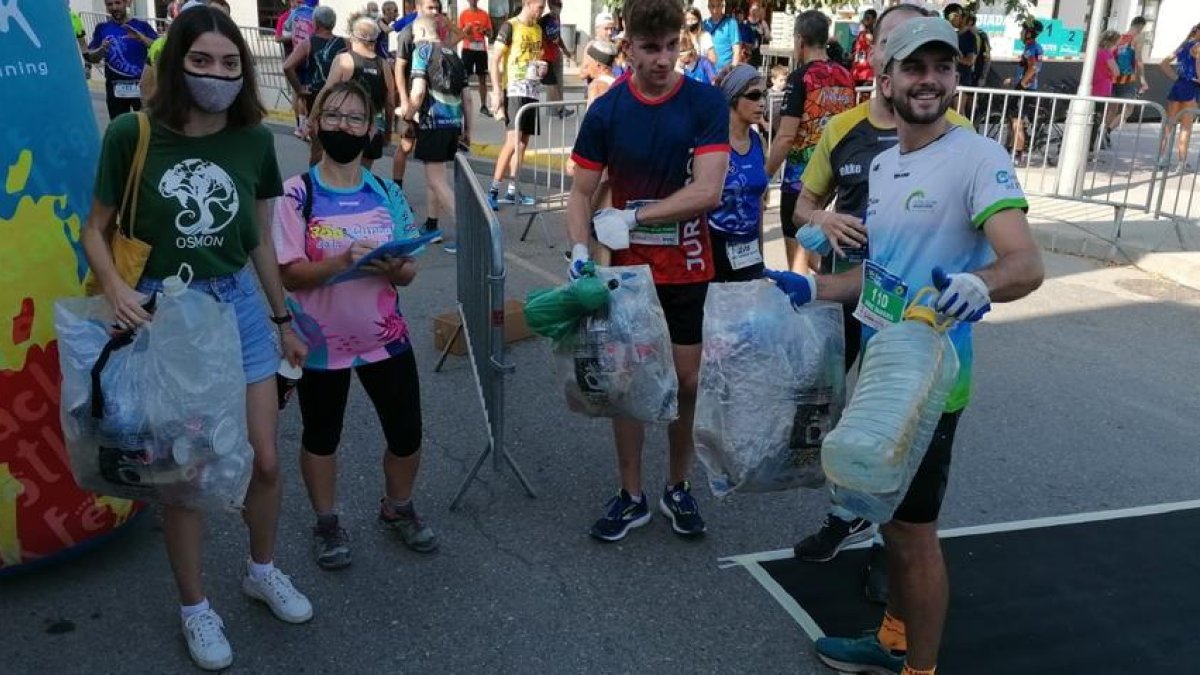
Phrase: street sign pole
x=1072 y=161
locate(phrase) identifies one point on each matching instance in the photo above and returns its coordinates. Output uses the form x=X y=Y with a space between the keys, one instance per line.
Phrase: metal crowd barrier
x=481 y=274
x=1177 y=196
x=548 y=159
x=267 y=52
x=1121 y=169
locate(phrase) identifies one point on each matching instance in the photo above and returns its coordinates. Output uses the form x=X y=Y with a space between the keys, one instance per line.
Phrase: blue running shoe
x=493 y=199
x=521 y=198
x=678 y=505
x=623 y=515
x=859 y=655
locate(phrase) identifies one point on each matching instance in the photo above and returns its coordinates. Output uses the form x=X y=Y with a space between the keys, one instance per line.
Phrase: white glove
x=613 y=225
x=963 y=296
x=579 y=258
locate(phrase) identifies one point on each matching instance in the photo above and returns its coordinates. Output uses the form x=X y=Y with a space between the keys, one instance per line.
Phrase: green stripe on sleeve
x=1002 y=205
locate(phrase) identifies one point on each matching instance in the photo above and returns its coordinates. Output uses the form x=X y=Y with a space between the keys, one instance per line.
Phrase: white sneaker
x=205 y=634
x=277 y=591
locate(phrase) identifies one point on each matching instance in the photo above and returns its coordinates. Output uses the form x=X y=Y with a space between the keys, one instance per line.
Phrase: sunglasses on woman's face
x=755 y=95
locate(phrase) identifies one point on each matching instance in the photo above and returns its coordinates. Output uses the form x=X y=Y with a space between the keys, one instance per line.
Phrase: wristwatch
x=282 y=320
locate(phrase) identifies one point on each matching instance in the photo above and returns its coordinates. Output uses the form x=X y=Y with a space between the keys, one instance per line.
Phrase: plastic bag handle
x=117 y=342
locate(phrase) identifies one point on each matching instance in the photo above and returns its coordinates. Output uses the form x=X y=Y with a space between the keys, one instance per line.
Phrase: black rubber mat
x=1111 y=596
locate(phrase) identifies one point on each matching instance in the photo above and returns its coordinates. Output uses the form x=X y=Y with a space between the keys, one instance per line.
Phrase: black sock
x=399 y=182
x=431 y=224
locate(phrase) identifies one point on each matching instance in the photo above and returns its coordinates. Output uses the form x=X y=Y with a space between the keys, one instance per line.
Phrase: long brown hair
x=171 y=103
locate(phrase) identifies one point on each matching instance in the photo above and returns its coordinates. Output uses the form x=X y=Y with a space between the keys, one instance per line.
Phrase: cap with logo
x=913 y=34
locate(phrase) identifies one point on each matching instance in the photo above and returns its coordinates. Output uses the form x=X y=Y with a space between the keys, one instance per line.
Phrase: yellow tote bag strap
x=134 y=179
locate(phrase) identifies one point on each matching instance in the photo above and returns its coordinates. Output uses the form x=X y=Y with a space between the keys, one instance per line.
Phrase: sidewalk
x=1162 y=247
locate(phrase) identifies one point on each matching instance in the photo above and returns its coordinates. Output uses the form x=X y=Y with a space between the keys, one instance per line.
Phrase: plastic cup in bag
x=286 y=379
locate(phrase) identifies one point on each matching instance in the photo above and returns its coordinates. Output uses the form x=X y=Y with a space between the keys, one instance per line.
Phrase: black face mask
x=342 y=147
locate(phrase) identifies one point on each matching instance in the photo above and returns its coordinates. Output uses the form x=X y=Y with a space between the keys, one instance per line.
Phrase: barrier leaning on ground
x=481 y=274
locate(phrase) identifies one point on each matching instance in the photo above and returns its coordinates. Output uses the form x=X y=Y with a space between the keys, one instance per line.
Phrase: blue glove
x=801 y=289
x=579 y=259
x=963 y=296
x=813 y=238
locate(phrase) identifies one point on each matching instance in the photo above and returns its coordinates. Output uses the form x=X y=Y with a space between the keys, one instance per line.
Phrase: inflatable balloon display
x=49 y=145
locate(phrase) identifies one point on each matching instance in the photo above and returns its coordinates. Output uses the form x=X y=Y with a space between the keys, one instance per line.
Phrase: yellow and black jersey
x=849 y=143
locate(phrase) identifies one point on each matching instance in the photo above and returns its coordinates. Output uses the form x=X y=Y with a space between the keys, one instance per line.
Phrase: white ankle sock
x=258 y=571
x=188 y=611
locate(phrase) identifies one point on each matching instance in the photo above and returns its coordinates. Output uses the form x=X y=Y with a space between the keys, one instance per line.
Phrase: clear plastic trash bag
x=772 y=384
x=157 y=415
x=908 y=370
x=618 y=362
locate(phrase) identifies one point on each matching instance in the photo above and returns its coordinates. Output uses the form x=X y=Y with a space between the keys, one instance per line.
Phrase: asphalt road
x=1086 y=397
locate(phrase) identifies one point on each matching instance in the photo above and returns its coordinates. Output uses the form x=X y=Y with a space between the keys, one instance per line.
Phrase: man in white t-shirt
x=945 y=210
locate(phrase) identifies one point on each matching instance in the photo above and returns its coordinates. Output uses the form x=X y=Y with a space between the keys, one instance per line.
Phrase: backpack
x=446 y=73
x=306 y=206
x=322 y=52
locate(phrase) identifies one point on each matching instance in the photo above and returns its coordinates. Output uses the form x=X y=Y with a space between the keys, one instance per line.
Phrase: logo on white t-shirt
x=917 y=202
x=208 y=201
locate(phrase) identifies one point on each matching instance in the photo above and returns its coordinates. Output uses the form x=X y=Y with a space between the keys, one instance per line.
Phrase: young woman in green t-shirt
x=204 y=200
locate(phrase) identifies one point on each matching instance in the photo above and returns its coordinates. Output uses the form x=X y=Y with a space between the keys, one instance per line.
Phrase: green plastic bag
x=555 y=312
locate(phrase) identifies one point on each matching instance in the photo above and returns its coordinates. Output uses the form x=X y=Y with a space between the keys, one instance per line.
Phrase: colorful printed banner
x=49 y=146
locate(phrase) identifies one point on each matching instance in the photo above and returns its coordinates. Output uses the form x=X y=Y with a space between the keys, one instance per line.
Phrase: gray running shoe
x=331 y=545
x=412 y=530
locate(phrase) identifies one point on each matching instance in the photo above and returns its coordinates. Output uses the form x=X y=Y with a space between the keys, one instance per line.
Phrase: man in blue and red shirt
x=666 y=155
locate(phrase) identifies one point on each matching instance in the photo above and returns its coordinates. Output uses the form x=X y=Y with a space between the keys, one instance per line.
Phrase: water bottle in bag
x=907 y=372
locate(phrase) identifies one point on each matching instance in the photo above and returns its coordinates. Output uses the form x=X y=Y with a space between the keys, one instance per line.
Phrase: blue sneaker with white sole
x=678 y=504
x=493 y=199
x=859 y=655
x=623 y=515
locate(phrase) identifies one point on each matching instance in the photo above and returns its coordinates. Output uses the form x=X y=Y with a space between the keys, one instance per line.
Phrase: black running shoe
x=876 y=585
x=678 y=504
x=834 y=535
x=622 y=515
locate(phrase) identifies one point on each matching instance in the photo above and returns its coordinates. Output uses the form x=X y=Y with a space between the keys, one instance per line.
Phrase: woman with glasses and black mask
x=330 y=217
x=204 y=202
x=736 y=225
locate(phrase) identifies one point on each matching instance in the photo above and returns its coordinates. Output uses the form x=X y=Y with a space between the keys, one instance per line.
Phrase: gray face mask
x=211 y=93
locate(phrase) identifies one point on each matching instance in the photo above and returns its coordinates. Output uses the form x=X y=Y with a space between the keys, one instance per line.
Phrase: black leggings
x=394 y=389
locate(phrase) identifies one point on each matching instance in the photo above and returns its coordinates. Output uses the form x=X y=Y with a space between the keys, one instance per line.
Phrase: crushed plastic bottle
x=907 y=372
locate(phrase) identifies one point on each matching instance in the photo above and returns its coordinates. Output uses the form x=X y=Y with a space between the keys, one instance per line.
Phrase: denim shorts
x=260 y=342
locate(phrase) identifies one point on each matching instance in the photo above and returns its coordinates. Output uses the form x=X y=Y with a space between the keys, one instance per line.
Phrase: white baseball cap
x=603 y=19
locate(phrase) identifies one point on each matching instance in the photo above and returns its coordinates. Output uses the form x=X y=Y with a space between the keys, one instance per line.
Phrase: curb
x=1181 y=267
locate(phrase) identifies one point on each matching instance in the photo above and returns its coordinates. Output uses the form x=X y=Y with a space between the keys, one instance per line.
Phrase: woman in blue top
x=736 y=225
x=1184 y=94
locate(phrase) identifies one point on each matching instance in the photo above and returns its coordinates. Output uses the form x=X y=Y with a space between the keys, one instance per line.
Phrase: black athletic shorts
x=683 y=304
x=395 y=392
x=787 y=207
x=531 y=124
x=475 y=61
x=923 y=502
x=722 y=269
x=436 y=145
